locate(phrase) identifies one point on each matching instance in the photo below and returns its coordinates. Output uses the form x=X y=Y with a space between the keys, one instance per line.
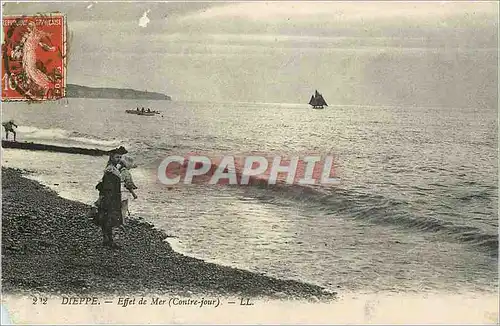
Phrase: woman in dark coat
x=109 y=208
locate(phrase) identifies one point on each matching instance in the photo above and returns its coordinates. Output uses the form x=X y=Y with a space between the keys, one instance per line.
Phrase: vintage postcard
x=257 y=162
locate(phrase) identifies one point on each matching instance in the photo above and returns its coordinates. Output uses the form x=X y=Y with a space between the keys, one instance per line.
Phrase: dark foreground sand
x=49 y=246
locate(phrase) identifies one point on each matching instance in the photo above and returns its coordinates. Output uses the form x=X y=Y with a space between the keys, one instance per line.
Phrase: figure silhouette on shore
x=9 y=127
x=109 y=204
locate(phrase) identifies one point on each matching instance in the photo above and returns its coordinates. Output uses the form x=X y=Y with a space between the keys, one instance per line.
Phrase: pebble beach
x=50 y=246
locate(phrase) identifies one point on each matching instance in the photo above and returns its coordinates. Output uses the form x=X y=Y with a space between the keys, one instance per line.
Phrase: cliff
x=77 y=91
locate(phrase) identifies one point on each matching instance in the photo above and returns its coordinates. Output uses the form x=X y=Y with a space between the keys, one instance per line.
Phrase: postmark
x=33 y=57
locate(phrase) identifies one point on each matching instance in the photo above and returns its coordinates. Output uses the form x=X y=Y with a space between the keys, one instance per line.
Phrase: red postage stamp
x=33 y=57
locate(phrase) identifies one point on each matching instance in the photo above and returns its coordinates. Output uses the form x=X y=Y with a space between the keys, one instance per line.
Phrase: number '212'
x=39 y=300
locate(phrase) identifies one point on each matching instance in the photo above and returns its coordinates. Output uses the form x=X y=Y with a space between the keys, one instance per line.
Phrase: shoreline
x=50 y=246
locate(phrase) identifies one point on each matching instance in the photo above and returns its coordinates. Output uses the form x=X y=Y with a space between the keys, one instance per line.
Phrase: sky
x=379 y=53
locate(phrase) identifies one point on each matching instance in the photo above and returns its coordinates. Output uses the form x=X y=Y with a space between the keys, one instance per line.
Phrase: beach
x=52 y=252
x=50 y=246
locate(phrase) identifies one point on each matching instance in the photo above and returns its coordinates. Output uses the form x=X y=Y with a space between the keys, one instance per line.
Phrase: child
x=128 y=185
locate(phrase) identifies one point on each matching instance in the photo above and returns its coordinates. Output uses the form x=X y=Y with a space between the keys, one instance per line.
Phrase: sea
x=415 y=210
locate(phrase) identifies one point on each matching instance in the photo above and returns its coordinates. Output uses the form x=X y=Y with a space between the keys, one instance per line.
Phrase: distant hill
x=77 y=91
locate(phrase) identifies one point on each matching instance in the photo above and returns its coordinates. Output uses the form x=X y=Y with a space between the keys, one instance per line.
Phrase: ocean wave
x=475 y=195
x=363 y=205
x=61 y=135
x=379 y=209
x=34 y=132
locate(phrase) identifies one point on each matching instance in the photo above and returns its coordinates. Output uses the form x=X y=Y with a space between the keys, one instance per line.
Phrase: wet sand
x=49 y=246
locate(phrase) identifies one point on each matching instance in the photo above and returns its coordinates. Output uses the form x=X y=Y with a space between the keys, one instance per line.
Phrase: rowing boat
x=149 y=114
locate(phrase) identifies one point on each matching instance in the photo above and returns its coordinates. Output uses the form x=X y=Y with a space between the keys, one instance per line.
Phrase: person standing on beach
x=128 y=185
x=8 y=126
x=109 y=209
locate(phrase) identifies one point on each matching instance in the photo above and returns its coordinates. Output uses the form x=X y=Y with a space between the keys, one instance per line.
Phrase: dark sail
x=317 y=100
x=312 y=101
x=320 y=100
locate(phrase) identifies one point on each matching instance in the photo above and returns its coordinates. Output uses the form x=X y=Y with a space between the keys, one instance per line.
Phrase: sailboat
x=317 y=101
